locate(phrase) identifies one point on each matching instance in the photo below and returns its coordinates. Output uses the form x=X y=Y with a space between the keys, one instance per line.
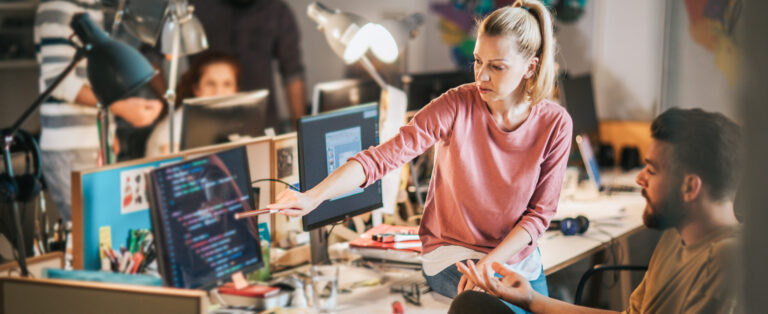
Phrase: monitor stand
x=238 y=279
x=318 y=243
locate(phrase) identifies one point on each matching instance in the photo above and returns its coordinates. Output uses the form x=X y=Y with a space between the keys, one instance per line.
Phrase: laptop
x=593 y=170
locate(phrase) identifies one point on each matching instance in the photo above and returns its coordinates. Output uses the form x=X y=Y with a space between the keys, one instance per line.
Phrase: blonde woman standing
x=501 y=153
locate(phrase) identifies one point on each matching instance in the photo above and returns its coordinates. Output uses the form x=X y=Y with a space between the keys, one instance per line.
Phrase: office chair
x=602 y=268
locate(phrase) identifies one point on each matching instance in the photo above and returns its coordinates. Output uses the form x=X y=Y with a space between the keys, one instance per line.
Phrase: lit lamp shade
x=192 y=37
x=115 y=69
x=349 y=35
x=397 y=34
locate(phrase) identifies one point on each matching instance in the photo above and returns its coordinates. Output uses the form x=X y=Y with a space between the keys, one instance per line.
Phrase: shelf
x=18 y=64
x=18 y=5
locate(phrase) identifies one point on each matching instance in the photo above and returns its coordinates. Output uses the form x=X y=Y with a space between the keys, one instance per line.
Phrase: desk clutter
x=393 y=245
x=138 y=252
x=171 y=222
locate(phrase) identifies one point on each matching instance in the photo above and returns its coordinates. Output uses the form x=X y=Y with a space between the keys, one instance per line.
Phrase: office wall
x=700 y=58
x=620 y=41
x=18 y=89
x=323 y=65
x=627 y=58
x=575 y=42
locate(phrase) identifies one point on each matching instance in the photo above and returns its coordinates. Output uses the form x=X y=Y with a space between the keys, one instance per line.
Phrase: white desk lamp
x=141 y=18
x=179 y=30
x=350 y=36
x=182 y=35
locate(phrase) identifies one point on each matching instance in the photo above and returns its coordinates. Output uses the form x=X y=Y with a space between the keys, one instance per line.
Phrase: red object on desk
x=397 y=308
x=250 y=291
x=366 y=239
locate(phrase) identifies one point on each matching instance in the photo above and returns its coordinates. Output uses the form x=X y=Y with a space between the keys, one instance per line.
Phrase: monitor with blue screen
x=329 y=96
x=326 y=141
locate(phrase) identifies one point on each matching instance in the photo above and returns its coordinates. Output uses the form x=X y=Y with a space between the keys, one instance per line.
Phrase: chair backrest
x=602 y=268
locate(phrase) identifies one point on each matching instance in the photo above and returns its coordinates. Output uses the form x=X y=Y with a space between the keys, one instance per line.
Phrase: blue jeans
x=446 y=282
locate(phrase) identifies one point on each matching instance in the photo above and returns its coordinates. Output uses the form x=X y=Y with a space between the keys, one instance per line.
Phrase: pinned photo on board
x=285 y=162
x=133 y=190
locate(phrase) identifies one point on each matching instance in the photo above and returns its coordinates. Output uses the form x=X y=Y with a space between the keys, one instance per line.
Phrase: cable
x=336 y=224
x=333 y=226
x=277 y=180
x=613 y=251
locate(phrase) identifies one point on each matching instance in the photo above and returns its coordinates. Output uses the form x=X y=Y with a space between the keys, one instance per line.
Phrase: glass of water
x=325 y=287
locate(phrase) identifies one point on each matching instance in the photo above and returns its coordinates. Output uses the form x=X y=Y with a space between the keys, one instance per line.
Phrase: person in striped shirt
x=69 y=137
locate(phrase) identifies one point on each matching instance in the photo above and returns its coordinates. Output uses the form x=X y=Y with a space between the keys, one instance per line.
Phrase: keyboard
x=618 y=188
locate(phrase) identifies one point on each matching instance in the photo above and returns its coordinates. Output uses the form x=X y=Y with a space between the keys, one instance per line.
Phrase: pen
x=128 y=239
x=148 y=257
x=126 y=259
x=137 y=258
x=256 y=212
x=131 y=240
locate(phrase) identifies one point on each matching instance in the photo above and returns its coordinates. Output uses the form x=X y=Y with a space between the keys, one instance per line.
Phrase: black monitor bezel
x=412 y=80
x=163 y=262
x=302 y=175
x=581 y=112
x=203 y=102
x=326 y=89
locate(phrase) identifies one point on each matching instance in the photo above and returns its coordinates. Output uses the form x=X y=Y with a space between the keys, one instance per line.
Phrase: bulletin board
x=109 y=198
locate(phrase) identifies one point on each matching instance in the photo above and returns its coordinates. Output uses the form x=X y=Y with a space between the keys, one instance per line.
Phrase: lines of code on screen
x=203 y=242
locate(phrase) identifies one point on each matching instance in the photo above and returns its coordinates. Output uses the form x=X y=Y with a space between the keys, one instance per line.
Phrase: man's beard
x=665 y=213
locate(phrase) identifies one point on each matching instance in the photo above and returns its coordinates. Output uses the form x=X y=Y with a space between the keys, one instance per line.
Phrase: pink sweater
x=485 y=180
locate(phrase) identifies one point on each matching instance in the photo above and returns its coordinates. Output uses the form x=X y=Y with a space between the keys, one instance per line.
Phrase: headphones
x=26 y=186
x=570 y=226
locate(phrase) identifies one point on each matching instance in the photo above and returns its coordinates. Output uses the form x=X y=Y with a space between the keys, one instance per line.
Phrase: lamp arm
x=119 y=12
x=368 y=66
x=170 y=94
x=8 y=141
x=79 y=55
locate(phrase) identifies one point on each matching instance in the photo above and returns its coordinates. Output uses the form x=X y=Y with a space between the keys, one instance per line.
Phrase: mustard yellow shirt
x=689 y=278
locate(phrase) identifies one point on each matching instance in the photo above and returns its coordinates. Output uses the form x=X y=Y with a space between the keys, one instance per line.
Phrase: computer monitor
x=220 y=119
x=325 y=142
x=422 y=88
x=334 y=95
x=579 y=100
x=193 y=203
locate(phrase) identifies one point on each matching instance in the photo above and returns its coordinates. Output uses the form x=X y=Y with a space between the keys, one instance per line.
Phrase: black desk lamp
x=115 y=70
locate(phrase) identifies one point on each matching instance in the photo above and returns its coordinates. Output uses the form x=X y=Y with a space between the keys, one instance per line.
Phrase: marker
x=263 y=211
